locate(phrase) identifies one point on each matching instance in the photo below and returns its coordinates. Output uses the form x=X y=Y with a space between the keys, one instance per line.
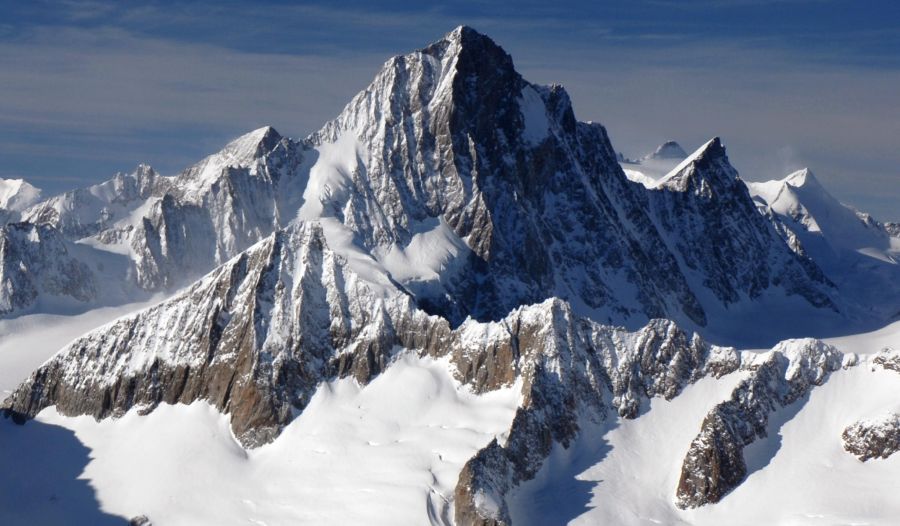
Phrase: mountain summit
x=667 y=150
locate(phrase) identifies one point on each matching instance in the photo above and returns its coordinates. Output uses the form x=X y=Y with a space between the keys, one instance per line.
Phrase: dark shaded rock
x=714 y=463
x=876 y=438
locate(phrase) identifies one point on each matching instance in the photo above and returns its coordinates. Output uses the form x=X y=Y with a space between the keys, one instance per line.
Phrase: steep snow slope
x=857 y=253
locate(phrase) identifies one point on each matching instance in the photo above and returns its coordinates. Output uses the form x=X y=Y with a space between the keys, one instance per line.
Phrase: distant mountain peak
x=17 y=194
x=667 y=150
x=708 y=164
x=253 y=145
x=803 y=178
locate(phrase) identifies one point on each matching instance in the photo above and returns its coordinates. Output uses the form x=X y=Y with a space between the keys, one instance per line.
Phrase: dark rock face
x=877 y=438
x=714 y=463
x=722 y=238
x=531 y=204
x=36 y=259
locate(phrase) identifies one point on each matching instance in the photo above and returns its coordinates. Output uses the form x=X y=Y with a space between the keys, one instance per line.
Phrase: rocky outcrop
x=874 y=438
x=714 y=463
x=887 y=359
x=36 y=260
x=258 y=335
x=571 y=368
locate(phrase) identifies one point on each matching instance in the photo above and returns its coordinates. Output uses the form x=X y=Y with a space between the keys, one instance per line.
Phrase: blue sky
x=91 y=88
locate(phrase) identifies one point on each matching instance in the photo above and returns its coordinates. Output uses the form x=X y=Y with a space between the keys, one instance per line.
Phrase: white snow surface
x=626 y=472
x=386 y=453
x=17 y=195
x=534 y=113
x=855 y=253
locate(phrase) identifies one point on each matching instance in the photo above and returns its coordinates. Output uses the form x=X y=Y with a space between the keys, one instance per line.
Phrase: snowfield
x=626 y=473
x=386 y=453
x=391 y=452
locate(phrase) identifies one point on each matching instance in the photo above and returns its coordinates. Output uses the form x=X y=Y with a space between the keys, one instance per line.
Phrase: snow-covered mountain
x=655 y=165
x=457 y=220
x=856 y=252
x=667 y=150
x=450 y=152
x=15 y=196
x=159 y=233
x=177 y=228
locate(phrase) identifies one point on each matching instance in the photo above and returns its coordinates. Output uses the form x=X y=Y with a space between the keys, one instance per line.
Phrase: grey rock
x=875 y=438
x=36 y=260
x=714 y=463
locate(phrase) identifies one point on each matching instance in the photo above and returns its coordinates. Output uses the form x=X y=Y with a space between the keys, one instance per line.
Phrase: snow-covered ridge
x=714 y=463
x=17 y=194
x=856 y=252
x=167 y=231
